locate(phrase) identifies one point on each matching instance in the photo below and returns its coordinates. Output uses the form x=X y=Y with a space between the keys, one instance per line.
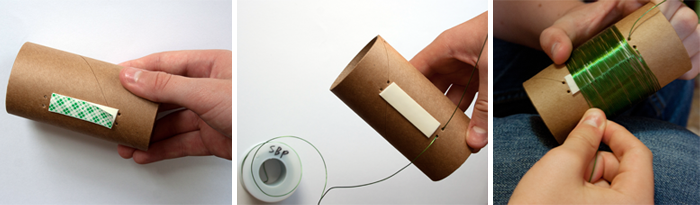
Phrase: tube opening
x=354 y=62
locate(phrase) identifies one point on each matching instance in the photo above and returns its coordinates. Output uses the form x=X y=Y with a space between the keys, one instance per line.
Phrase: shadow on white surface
x=68 y=140
x=72 y=144
x=93 y=165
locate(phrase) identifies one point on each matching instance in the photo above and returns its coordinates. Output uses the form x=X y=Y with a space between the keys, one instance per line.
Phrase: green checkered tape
x=82 y=110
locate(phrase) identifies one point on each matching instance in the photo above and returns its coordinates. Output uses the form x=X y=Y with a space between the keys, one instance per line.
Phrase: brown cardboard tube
x=40 y=71
x=657 y=43
x=376 y=67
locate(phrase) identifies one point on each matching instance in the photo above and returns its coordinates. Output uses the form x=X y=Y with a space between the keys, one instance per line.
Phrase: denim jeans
x=521 y=138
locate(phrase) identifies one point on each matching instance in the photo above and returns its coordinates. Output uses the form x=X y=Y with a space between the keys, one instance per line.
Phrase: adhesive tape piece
x=276 y=171
x=84 y=110
x=572 y=84
x=410 y=109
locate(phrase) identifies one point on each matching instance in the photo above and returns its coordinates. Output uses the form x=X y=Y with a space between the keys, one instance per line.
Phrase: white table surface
x=289 y=54
x=41 y=163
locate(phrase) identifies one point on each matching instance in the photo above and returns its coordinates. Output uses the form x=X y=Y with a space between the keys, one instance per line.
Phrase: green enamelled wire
x=610 y=73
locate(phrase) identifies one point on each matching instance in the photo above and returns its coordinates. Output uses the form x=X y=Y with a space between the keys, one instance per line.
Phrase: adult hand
x=449 y=60
x=585 y=21
x=200 y=81
x=563 y=175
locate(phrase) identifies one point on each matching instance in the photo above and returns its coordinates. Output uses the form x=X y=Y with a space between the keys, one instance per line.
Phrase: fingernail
x=132 y=74
x=593 y=119
x=480 y=133
x=554 y=48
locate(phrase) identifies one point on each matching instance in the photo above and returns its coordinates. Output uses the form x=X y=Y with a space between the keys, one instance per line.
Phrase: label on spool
x=273 y=173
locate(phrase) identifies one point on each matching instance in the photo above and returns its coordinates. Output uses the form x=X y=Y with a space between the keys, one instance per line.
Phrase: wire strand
x=629 y=36
x=476 y=66
x=381 y=180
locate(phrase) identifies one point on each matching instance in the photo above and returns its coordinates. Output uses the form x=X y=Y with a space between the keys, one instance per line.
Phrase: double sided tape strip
x=84 y=110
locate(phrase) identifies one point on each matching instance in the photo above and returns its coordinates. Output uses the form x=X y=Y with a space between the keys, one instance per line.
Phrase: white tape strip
x=410 y=109
x=572 y=84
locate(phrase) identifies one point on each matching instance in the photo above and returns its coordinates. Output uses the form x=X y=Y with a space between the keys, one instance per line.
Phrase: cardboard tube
x=657 y=43
x=371 y=71
x=40 y=71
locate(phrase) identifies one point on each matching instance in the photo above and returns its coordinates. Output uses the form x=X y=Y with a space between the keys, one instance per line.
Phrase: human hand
x=200 y=81
x=562 y=175
x=449 y=60
x=585 y=21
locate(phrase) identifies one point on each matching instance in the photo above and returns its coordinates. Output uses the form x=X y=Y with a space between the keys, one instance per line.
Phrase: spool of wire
x=273 y=174
x=271 y=171
x=610 y=73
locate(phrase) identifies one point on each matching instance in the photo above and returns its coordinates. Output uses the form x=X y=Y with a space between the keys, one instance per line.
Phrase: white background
x=40 y=163
x=289 y=54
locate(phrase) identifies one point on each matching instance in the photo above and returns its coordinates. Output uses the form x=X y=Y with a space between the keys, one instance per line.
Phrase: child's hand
x=562 y=175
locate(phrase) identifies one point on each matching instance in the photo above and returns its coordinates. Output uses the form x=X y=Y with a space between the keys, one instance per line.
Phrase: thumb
x=576 y=27
x=477 y=134
x=163 y=87
x=584 y=140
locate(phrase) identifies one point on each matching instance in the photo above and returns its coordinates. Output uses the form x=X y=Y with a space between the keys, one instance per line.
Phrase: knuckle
x=161 y=82
x=687 y=19
x=481 y=105
x=641 y=151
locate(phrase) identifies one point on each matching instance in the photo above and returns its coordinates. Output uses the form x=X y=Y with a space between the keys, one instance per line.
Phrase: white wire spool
x=276 y=171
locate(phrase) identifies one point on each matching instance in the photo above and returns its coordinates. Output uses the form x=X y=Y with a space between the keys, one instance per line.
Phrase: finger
x=684 y=21
x=668 y=8
x=611 y=165
x=583 y=141
x=176 y=123
x=635 y=173
x=453 y=49
x=695 y=60
x=193 y=93
x=125 y=152
x=433 y=57
x=602 y=183
x=457 y=95
x=187 y=144
x=692 y=42
x=604 y=166
x=477 y=135
x=627 y=7
x=569 y=31
x=191 y=63
x=556 y=42
x=595 y=169
x=459 y=76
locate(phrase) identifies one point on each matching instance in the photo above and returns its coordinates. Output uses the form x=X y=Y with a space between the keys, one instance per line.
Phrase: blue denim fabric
x=521 y=140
